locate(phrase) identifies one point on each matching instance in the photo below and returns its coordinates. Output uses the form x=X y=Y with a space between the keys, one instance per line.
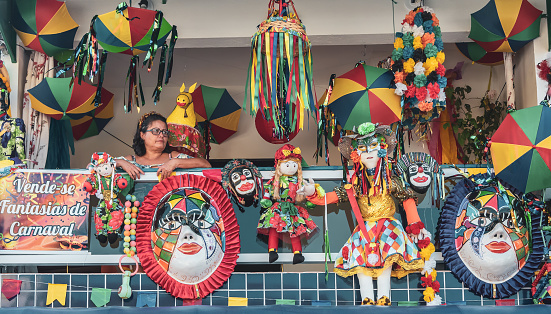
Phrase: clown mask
x=243 y=183
x=419 y=177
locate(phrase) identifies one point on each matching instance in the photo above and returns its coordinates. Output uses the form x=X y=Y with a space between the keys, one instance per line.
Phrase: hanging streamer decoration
x=280 y=71
x=327 y=124
x=132 y=31
x=417 y=63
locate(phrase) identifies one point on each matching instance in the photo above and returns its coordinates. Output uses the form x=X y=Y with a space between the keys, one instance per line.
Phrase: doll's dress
x=284 y=215
x=108 y=220
x=395 y=245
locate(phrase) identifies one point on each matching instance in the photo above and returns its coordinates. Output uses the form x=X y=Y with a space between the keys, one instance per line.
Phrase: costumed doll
x=106 y=185
x=379 y=241
x=243 y=182
x=283 y=215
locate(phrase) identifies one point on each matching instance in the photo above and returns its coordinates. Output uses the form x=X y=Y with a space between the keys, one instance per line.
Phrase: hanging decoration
x=266 y=128
x=94 y=122
x=417 y=63
x=131 y=208
x=327 y=124
x=130 y=31
x=490 y=238
x=217 y=114
x=44 y=25
x=279 y=83
x=176 y=210
x=506 y=26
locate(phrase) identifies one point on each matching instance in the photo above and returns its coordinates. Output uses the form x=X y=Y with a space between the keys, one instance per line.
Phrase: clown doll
x=243 y=182
x=379 y=241
x=283 y=216
x=106 y=185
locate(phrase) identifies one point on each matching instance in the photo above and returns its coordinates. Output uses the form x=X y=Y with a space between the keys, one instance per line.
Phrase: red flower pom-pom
x=345 y=253
x=436 y=286
x=421 y=93
x=427 y=281
x=434 y=90
x=410 y=93
x=441 y=70
x=423 y=243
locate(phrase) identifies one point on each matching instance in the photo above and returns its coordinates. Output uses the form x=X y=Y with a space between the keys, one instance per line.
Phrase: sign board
x=43 y=211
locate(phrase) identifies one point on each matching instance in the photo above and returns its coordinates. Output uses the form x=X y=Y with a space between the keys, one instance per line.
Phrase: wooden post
x=508 y=62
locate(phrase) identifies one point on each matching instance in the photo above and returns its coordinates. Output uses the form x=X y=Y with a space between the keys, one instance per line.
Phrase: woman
x=152 y=151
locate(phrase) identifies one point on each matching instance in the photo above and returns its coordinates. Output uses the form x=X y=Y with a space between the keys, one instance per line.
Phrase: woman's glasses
x=157 y=131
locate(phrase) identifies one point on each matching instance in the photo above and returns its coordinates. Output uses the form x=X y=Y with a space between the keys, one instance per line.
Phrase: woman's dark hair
x=138 y=144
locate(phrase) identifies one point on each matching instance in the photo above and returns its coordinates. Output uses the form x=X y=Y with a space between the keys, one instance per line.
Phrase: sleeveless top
x=135 y=163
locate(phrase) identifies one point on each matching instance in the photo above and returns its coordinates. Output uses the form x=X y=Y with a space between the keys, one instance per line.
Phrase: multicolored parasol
x=58 y=99
x=44 y=25
x=365 y=94
x=505 y=25
x=129 y=31
x=521 y=149
x=93 y=122
x=476 y=53
x=216 y=112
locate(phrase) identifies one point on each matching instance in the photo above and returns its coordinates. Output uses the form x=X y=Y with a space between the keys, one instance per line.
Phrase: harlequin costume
x=385 y=241
x=108 y=216
x=283 y=215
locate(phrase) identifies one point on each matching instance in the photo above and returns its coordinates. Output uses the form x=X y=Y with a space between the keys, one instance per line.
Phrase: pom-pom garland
x=420 y=68
x=130 y=219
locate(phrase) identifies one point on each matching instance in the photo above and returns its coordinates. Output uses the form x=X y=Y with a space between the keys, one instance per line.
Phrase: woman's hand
x=133 y=171
x=166 y=169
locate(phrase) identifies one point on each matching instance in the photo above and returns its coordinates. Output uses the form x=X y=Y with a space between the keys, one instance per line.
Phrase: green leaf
x=446 y=125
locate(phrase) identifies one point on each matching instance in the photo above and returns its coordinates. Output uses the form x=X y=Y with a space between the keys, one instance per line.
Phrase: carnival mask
x=243 y=183
x=188 y=235
x=371 y=149
x=419 y=177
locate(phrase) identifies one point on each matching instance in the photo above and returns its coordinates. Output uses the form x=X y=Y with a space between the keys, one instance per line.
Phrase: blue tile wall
x=260 y=288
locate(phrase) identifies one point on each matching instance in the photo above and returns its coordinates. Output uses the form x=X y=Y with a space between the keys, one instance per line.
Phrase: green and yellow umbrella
x=44 y=25
x=521 y=149
x=94 y=122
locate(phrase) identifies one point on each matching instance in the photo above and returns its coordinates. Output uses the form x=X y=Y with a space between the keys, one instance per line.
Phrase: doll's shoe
x=112 y=237
x=273 y=256
x=383 y=301
x=298 y=258
x=368 y=301
x=102 y=238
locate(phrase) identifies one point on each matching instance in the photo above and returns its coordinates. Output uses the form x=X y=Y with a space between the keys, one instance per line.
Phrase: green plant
x=473 y=130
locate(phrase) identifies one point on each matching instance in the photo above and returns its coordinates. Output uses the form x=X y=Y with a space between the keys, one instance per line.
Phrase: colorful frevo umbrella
x=506 y=26
x=44 y=25
x=217 y=113
x=365 y=94
x=55 y=97
x=132 y=31
x=521 y=149
x=129 y=31
x=476 y=53
x=94 y=122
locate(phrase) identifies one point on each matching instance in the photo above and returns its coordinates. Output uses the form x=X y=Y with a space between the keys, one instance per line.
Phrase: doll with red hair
x=283 y=216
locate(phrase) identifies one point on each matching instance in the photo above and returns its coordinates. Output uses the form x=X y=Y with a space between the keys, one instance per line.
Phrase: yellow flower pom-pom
x=433 y=274
x=408 y=65
x=428 y=294
x=440 y=57
x=398 y=43
x=417 y=43
x=430 y=65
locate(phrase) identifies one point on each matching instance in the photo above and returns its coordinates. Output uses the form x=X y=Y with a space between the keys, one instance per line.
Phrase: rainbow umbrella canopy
x=505 y=25
x=129 y=31
x=365 y=94
x=57 y=98
x=94 y=122
x=44 y=25
x=476 y=53
x=521 y=149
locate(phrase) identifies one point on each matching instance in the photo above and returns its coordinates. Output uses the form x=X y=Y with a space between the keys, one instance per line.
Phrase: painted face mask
x=187 y=236
x=417 y=169
x=243 y=181
x=490 y=238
